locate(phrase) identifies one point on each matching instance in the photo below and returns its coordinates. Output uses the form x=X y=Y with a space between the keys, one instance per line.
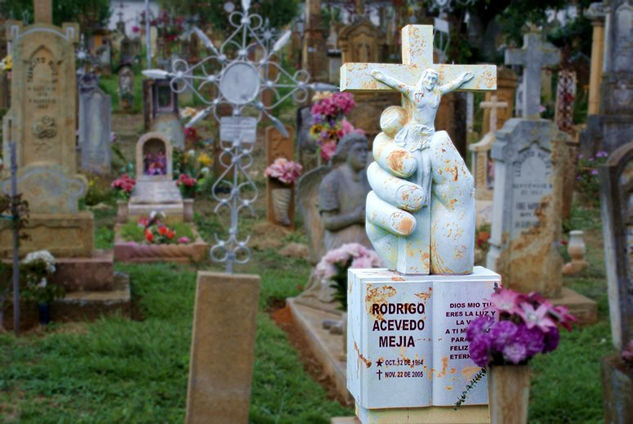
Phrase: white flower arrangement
x=43 y=255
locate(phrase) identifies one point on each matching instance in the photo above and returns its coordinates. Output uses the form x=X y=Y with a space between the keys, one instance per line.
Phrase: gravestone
x=42 y=123
x=104 y=57
x=481 y=163
x=126 y=87
x=616 y=178
x=412 y=375
x=278 y=146
x=530 y=161
x=224 y=323
x=314 y=50
x=533 y=57
x=613 y=125
x=155 y=189
x=94 y=127
x=158 y=100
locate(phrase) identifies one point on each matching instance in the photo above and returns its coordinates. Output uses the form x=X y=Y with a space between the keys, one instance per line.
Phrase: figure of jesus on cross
x=421 y=212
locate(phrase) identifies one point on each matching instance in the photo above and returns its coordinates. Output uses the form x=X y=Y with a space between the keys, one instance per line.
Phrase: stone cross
x=43 y=10
x=493 y=105
x=535 y=55
x=415 y=249
x=417 y=56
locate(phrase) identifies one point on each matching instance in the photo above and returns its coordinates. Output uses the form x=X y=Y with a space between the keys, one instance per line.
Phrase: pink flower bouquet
x=123 y=186
x=517 y=327
x=329 y=124
x=283 y=170
x=334 y=264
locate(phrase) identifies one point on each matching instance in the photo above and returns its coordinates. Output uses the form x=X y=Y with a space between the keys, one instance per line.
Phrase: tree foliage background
x=89 y=13
x=278 y=12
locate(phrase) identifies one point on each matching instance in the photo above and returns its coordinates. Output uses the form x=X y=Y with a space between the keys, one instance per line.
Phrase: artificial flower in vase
x=518 y=327
x=285 y=172
x=328 y=121
x=36 y=269
x=123 y=187
x=333 y=266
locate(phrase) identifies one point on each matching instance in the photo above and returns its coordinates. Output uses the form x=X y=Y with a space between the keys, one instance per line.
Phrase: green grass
x=119 y=370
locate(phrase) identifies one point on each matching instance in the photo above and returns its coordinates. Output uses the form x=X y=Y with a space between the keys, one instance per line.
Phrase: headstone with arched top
x=155 y=189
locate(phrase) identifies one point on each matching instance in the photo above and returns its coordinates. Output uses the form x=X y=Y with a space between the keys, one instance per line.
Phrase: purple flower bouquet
x=519 y=327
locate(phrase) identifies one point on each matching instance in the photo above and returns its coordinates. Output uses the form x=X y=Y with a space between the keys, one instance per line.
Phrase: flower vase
x=187 y=210
x=281 y=205
x=122 y=211
x=44 y=313
x=576 y=249
x=508 y=393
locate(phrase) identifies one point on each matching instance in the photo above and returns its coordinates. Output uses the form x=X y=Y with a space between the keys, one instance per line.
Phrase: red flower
x=149 y=236
x=162 y=231
x=170 y=234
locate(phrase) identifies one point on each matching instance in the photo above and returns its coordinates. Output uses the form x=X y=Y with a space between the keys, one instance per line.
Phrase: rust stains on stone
x=425 y=295
x=405 y=226
x=395 y=160
x=364 y=360
x=442 y=373
x=378 y=295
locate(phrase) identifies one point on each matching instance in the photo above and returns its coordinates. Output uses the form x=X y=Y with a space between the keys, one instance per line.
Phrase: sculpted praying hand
x=420 y=214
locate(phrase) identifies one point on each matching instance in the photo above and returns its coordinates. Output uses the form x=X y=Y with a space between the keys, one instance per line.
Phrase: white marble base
x=159 y=196
x=406 y=345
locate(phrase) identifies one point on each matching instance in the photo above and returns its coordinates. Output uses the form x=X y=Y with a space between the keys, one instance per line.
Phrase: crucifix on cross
x=421 y=212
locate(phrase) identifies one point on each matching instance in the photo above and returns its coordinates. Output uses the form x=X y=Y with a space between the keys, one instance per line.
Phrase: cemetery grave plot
x=120 y=370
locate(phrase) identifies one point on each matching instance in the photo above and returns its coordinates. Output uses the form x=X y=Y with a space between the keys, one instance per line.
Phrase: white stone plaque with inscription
x=238 y=128
x=406 y=345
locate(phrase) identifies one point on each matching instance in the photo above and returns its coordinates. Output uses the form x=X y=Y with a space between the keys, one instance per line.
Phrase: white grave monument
x=407 y=356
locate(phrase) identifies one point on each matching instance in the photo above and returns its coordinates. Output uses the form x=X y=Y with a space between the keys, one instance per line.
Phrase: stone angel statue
x=421 y=210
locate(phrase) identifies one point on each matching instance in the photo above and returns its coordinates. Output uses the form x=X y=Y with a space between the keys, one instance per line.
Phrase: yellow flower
x=204 y=159
x=315 y=130
x=320 y=95
x=6 y=64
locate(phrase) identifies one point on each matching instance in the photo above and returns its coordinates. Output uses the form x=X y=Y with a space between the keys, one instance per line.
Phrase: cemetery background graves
x=117 y=369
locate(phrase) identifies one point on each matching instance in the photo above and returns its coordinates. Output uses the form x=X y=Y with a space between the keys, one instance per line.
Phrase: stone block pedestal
x=583 y=308
x=407 y=354
x=617 y=389
x=327 y=348
x=81 y=305
x=64 y=235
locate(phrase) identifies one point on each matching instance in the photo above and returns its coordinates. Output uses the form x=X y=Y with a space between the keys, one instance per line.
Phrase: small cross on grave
x=417 y=56
x=535 y=55
x=493 y=105
x=43 y=10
